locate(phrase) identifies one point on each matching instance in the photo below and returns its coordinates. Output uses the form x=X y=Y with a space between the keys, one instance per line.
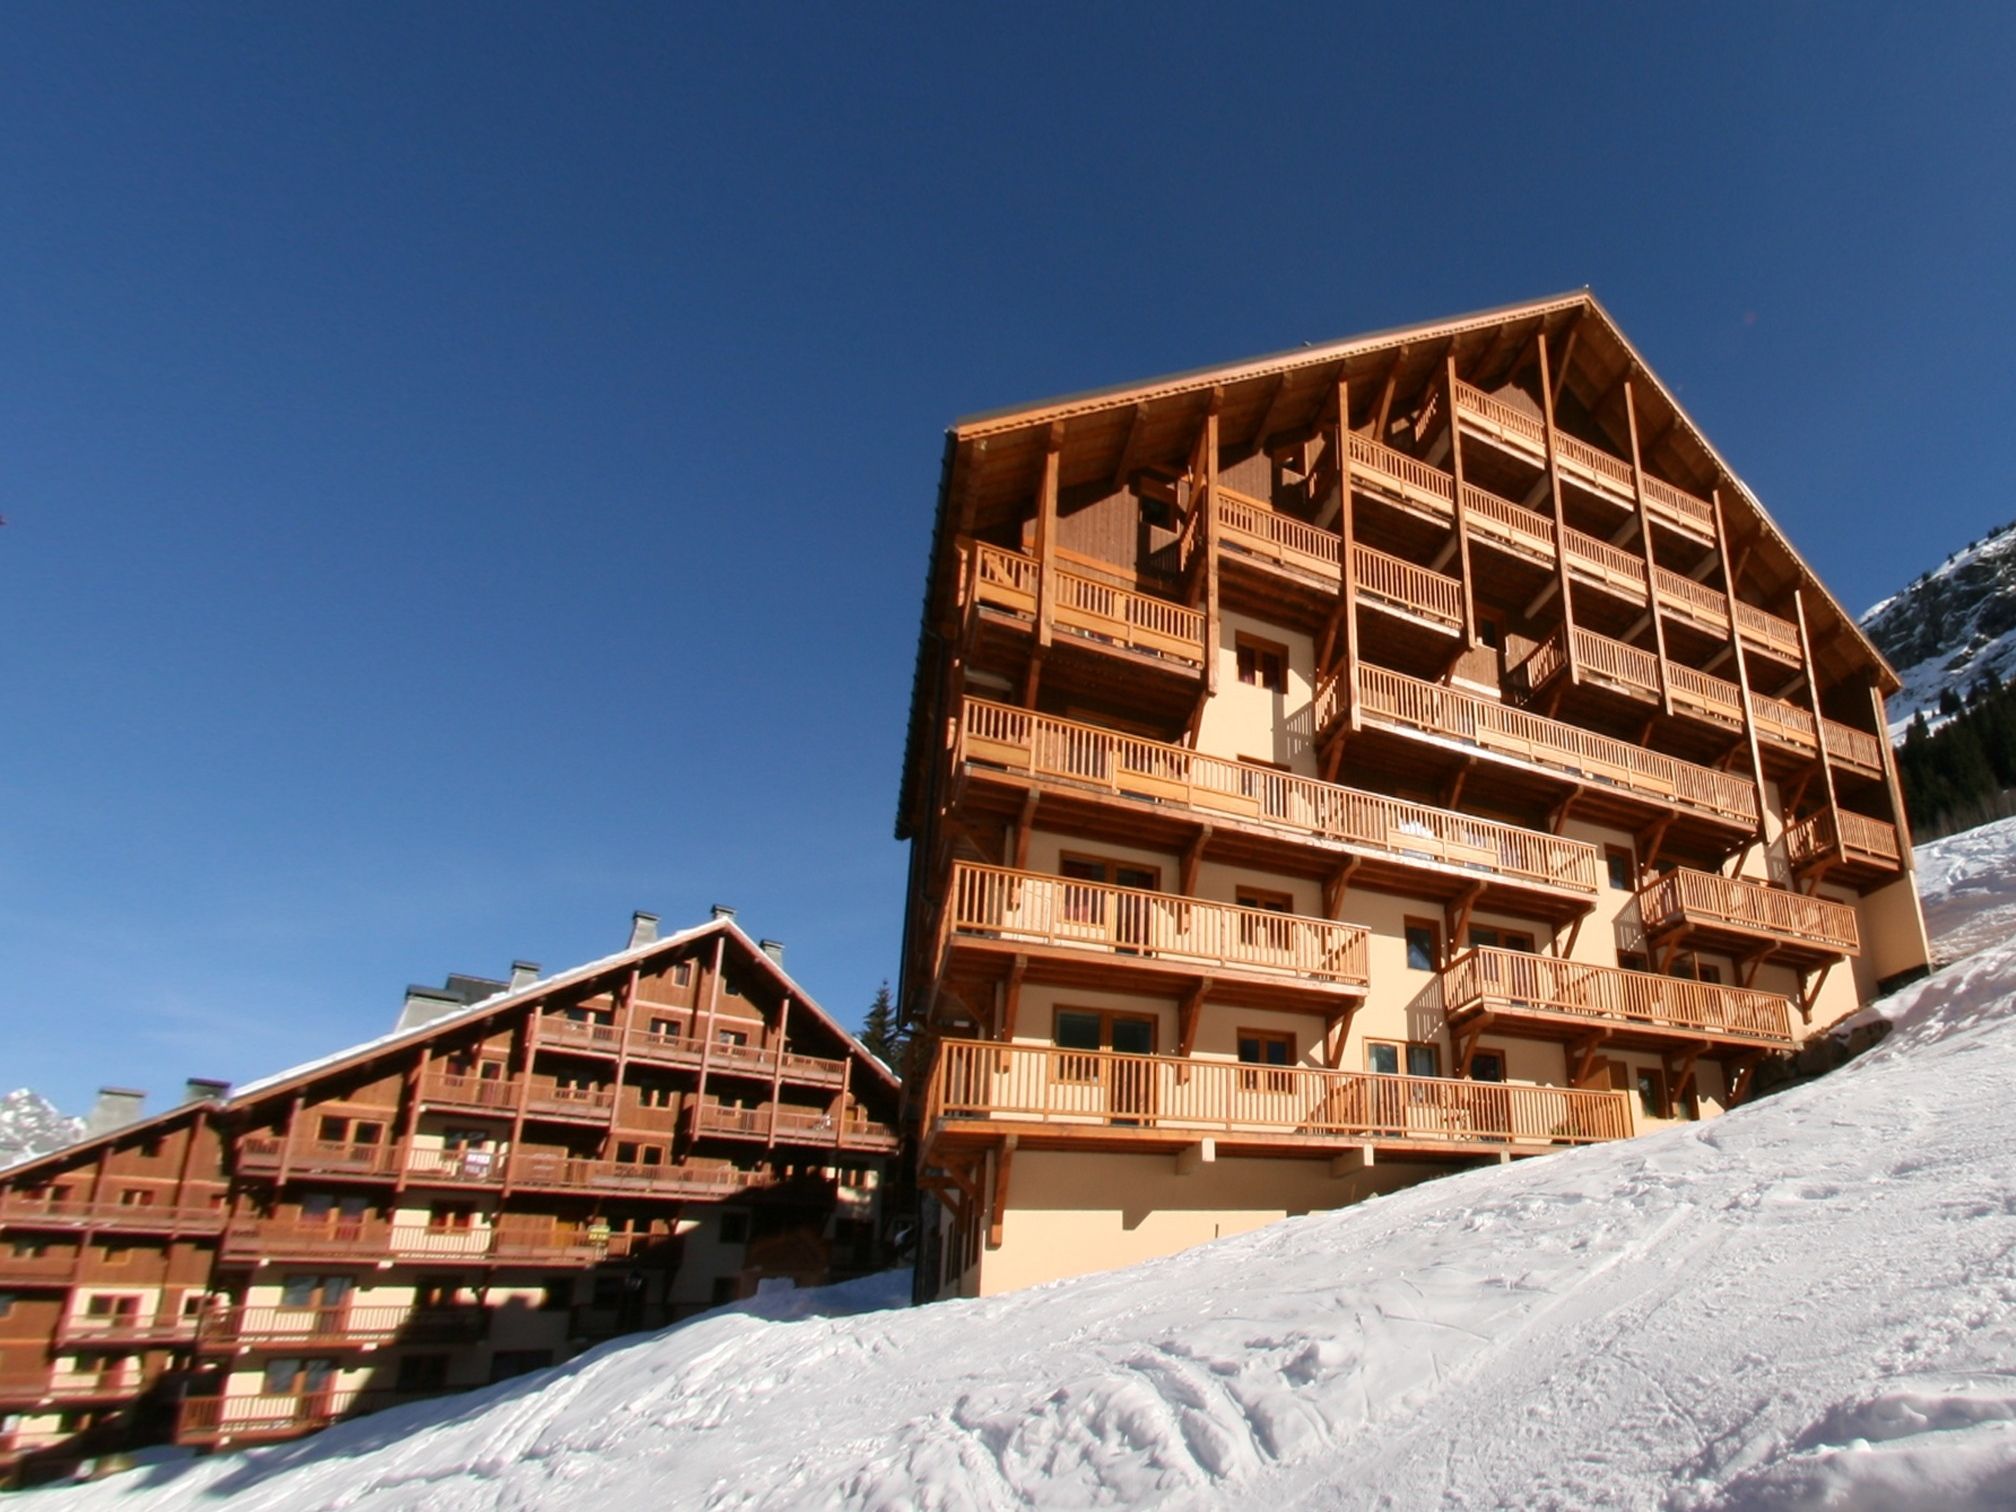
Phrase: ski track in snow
x=1808 y=1303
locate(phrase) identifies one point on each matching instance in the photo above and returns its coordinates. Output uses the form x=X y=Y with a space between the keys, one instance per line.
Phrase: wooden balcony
x=463 y=1166
x=265 y=1154
x=1394 y=701
x=126 y=1329
x=236 y=1328
x=211 y=1420
x=584 y=1104
x=1252 y=526
x=780 y=1123
x=84 y=1387
x=1593 y=469
x=1427 y=845
x=370 y=1241
x=21 y=1211
x=51 y=1265
x=533 y=1170
x=1134 y=931
x=682 y=1049
x=1100 y=614
x=1097 y=1098
x=1742 y=916
x=1514 y=992
x=588 y=1036
x=1863 y=848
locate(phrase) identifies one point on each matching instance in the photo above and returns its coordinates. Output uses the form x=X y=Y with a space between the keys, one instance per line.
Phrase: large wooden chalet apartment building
x=518 y=1170
x=1337 y=768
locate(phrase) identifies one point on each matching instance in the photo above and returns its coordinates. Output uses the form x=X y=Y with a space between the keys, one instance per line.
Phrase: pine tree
x=879 y=1031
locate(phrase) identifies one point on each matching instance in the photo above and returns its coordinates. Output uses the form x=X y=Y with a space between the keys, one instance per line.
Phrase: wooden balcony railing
x=344 y=1325
x=1854 y=749
x=554 y=1100
x=1858 y=837
x=1784 y=724
x=20 y=1210
x=793 y=1125
x=685 y=1048
x=92 y=1385
x=533 y=1169
x=1704 y=900
x=1060 y=748
x=1613 y=661
x=1391 y=698
x=1099 y=1089
x=1612 y=567
x=1512 y=981
x=211 y=1419
x=1691 y=516
x=53 y=1264
x=1503 y=420
x=1118 y=616
x=464 y=1165
x=1044 y=910
x=1769 y=633
x=1405 y=586
x=489 y=1093
x=1705 y=697
x=1405 y=478
x=579 y=1034
x=1253 y=525
x=126 y=1328
x=264 y=1153
x=1511 y=525
x=374 y=1238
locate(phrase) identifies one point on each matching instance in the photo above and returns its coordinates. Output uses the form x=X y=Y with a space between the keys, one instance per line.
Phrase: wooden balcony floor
x=954 y=1131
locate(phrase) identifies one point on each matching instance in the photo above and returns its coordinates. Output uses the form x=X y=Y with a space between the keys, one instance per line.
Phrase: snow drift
x=1808 y=1303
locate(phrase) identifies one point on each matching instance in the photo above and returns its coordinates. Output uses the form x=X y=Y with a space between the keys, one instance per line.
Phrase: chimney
x=723 y=911
x=643 y=929
x=424 y=1005
x=773 y=949
x=523 y=974
x=116 y=1107
x=202 y=1089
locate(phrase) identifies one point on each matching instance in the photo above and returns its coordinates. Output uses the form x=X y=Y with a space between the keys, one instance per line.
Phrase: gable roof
x=992 y=457
x=266 y=1087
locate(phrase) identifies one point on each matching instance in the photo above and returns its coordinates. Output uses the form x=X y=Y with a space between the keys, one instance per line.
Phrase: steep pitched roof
x=992 y=457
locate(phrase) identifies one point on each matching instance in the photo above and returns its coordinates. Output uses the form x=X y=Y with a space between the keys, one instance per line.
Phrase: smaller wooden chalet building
x=486 y=1190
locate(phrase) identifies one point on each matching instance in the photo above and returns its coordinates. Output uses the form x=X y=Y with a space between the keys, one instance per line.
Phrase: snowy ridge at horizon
x=1808 y=1302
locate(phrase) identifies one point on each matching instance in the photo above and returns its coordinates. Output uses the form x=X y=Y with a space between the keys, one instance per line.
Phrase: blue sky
x=468 y=470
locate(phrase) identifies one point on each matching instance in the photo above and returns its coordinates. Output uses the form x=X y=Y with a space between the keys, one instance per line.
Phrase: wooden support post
x=997 y=1203
x=1580 y=1057
x=1192 y=1012
x=1011 y=1003
x=623 y=1001
x=1347 y=550
x=707 y=1034
x=1456 y=920
x=411 y=1120
x=1046 y=542
x=1209 y=527
x=1336 y=884
x=1193 y=858
x=1742 y=670
x=1352 y=1162
x=1824 y=757
x=1336 y=1030
x=1645 y=542
x=777 y=1052
x=1561 y=579
x=1892 y=783
x=1462 y=517
x=1193 y=1158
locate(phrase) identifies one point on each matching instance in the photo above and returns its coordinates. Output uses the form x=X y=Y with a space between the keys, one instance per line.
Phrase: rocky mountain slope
x=30 y=1125
x=1951 y=627
x=1806 y=1303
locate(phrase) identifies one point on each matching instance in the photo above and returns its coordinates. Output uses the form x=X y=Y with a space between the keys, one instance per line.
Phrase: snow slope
x=1810 y=1302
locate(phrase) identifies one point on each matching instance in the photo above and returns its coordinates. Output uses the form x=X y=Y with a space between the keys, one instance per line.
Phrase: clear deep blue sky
x=468 y=470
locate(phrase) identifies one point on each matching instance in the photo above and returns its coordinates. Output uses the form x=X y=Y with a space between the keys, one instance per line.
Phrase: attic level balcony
x=1099 y=1099
x=230 y=1330
x=779 y=1123
x=20 y=1210
x=1250 y=529
x=1092 y=933
x=1475 y=725
x=1513 y=429
x=1092 y=614
x=1863 y=849
x=1544 y=997
x=1746 y=918
x=1409 y=846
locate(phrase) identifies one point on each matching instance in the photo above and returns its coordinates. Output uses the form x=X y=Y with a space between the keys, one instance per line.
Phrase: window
x=1487 y=1066
x=608 y=1292
x=137 y=1197
x=1130 y=921
x=113 y=1307
x=1264 y=933
x=440 y=1293
x=682 y=973
x=1158 y=510
x=287 y=1375
x=1652 y=1092
x=314 y=1291
x=654 y=1095
x=1500 y=939
x=448 y=1217
x=1264 y=1047
x=1424 y=944
x=116 y=1252
x=465 y=1139
x=1262 y=664
x=723 y=1291
x=1622 y=866
x=558 y=1295
x=1633 y=960
x=734 y=1228
x=731 y=1037
x=1386 y=1056
x=327 y=1207
x=6 y=1304
x=669 y=1028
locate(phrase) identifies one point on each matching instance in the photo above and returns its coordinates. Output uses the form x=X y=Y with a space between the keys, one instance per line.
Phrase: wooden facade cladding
x=571 y=1128
x=1439 y=683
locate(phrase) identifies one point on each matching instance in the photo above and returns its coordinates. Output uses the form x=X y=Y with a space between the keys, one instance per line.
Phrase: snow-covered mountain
x=1950 y=626
x=1809 y=1302
x=30 y=1125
